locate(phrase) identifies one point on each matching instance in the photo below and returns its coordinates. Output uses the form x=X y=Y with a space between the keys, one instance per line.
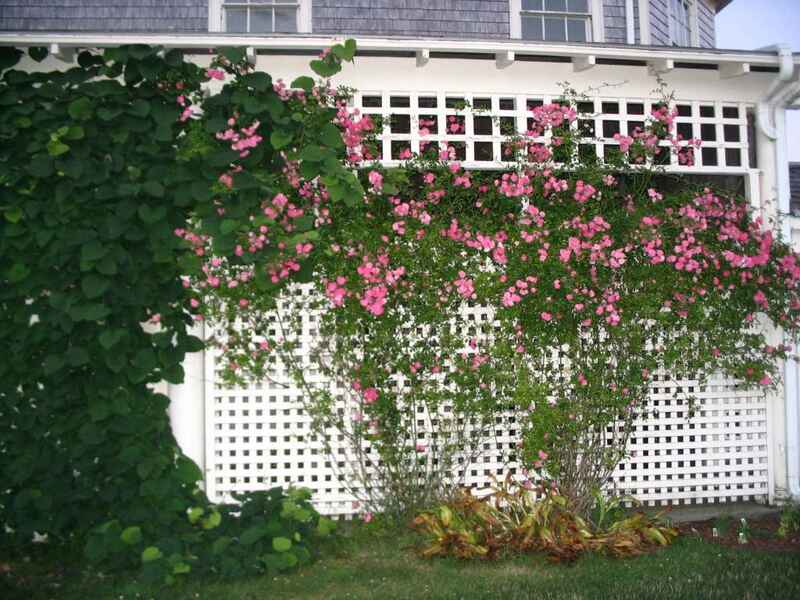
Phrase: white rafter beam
x=65 y=54
x=583 y=63
x=657 y=66
x=730 y=70
x=423 y=56
x=252 y=55
x=504 y=59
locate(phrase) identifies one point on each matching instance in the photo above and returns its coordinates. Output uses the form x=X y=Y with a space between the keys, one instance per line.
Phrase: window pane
x=532 y=28
x=531 y=4
x=260 y=21
x=578 y=6
x=286 y=19
x=554 y=30
x=576 y=30
x=236 y=20
x=556 y=5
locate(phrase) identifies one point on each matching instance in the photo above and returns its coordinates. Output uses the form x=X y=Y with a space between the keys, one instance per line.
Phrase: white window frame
x=596 y=29
x=694 y=33
x=216 y=14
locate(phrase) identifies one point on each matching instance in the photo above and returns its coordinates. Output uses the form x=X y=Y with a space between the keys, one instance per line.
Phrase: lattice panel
x=477 y=126
x=259 y=437
x=719 y=454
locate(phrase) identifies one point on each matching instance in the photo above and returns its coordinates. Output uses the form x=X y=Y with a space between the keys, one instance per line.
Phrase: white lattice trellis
x=485 y=121
x=258 y=436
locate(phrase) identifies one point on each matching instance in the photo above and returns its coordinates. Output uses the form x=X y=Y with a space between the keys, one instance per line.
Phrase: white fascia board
x=376 y=44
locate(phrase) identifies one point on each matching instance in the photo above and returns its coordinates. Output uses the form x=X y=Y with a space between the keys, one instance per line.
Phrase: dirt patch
x=759 y=533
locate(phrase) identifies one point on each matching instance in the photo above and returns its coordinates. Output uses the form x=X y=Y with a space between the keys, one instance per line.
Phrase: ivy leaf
x=305 y=83
x=228 y=226
x=94 y=286
x=38 y=53
x=93 y=250
x=145 y=360
x=98 y=409
x=109 y=337
x=259 y=81
x=187 y=471
x=212 y=521
x=17 y=272
x=80 y=109
x=325 y=526
x=324 y=68
x=41 y=166
x=131 y=536
x=151 y=215
x=90 y=312
x=150 y=554
x=281 y=544
x=56 y=148
x=350 y=47
x=74 y=133
x=13 y=215
x=252 y=535
x=331 y=136
x=280 y=138
x=220 y=544
x=195 y=513
x=52 y=364
x=9 y=57
x=153 y=188
x=77 y=356
x=234 y=55
x=181 y=568
x=312 y=153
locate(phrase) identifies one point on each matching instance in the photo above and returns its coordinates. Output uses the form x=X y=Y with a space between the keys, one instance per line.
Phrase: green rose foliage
x=100 y=164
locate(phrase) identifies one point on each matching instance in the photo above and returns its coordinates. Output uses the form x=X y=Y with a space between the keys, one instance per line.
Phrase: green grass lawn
x=385 y=568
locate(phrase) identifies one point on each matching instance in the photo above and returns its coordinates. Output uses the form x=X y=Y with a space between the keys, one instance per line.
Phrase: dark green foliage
x=82 y=266
x=93 y=183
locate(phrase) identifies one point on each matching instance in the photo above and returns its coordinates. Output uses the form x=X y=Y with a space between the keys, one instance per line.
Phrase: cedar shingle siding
x=427 y=18
x=104 y=15
x=614 y=21
x=705 y=24
x=475 y=19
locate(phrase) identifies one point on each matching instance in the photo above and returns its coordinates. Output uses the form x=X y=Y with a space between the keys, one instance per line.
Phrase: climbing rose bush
x=592 y=277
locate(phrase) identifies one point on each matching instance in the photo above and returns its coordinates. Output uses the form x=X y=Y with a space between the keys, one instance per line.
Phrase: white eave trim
x=375 y=44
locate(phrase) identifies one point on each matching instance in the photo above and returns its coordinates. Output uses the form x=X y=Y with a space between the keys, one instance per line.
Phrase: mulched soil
x=762 y=533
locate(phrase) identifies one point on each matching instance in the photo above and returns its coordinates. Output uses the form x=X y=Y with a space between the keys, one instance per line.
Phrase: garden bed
x=760 y=533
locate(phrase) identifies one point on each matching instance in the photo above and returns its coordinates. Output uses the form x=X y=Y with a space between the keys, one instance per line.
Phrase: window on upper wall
x=680 y=22
x=556 y=20
x=264 y=16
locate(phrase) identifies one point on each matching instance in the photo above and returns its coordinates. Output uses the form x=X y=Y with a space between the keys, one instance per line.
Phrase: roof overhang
x=733 y=61
x=722 y=4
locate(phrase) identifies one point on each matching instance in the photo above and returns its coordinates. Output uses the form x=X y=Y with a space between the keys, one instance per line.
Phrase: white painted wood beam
x=659 y=66
x=423 y=56
x=62 y=53
x=583 y=63
x=730 y=70
x=504 y=59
